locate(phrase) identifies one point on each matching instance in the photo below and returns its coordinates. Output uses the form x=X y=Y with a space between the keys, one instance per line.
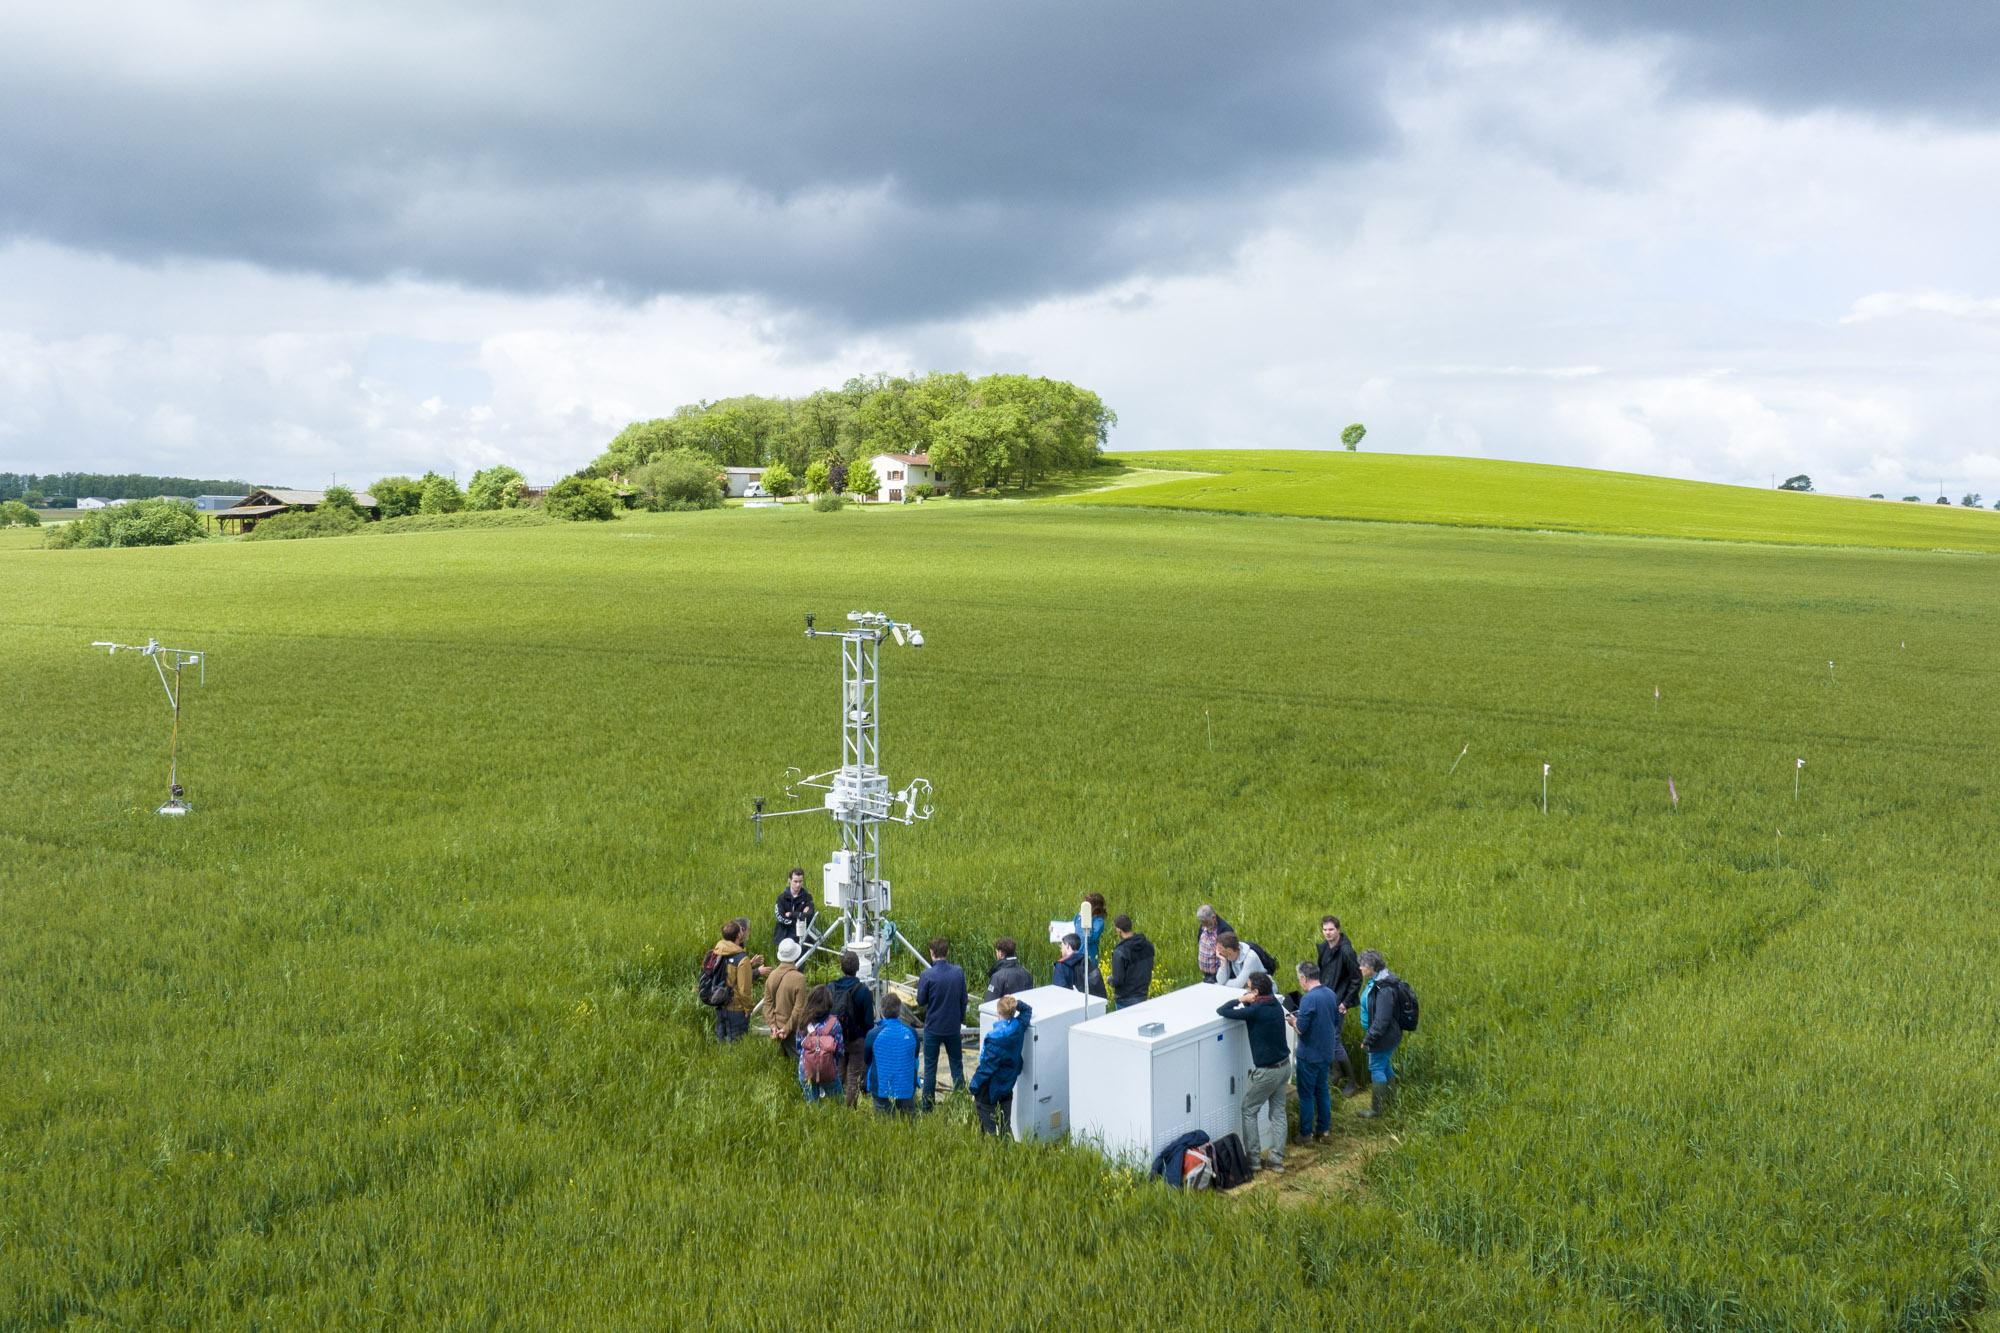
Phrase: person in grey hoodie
x=1131 y=964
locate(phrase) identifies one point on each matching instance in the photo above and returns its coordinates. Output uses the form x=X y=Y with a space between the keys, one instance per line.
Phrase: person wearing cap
x=891 y=1049
x=785 y=999
x=1271 y=1062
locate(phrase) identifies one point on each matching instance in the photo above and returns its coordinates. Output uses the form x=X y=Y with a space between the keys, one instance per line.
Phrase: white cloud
x=1558 y=256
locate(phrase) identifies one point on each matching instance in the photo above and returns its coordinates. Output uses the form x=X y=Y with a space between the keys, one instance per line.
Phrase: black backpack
x=1264 y=957
x=1406 y=1006
x=1231 y=1163
x=854 y=1024
x=713 y=986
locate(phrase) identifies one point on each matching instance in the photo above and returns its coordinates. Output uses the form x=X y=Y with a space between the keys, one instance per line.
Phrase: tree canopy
x=987 y=431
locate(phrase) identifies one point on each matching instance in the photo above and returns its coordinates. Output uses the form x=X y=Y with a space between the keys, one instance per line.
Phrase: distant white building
x=899 y=472
x=92 y=502
x=740 y=478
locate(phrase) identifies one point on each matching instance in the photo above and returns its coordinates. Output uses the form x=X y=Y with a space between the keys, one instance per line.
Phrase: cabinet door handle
x=1232 y=1083
x=1190 y=1103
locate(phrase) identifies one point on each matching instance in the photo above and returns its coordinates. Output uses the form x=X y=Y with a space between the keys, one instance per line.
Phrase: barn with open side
x=264 y=503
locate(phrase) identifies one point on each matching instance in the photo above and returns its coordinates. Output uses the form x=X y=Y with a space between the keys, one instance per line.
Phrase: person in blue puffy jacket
x=892 y=1061
x=1000 y=1065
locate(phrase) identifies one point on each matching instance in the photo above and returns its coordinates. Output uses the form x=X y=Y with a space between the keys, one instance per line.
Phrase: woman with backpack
x=1382 y=1029
x=822 y=1048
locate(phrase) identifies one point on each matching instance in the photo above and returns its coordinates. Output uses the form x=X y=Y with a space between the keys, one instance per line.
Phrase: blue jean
x=954 y=1050
x=1378 y=1066
x=1315 y=1096
x=896 y=1105
x=820 y=1091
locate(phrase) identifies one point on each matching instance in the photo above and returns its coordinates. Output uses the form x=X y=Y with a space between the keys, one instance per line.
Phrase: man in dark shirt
x=1131 y=964
x=1341 y=975
x=1271 y=1071
x=1009 y=976
x=794 y=909
x=941 y=993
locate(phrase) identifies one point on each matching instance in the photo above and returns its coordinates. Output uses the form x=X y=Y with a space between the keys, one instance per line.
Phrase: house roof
x=921 y=459
x=249 y=511
x=306 y=497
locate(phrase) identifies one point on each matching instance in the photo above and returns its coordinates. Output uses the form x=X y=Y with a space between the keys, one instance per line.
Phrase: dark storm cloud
x=877 y=162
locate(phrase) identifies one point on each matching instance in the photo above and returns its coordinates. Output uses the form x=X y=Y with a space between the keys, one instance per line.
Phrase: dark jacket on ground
x=1008 y=977
x=1266 y=1021
x=1338 y=971
x=1000 y=1056
x=1319 y=1025
x=941 y=991
x=1069 y=975
x=892 y=1060
x=854 y=1023
x=1379 y=1003
x=1131 y=970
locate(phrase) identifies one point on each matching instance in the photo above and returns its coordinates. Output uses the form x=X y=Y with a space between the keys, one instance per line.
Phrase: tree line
x=989 y=431
x=61 y=490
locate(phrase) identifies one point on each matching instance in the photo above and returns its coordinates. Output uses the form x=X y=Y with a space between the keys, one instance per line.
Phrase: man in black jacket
x=1270 y=1077
x=1009 y=975
x=794 y=910
x=1131 y=964
x=1340 y=974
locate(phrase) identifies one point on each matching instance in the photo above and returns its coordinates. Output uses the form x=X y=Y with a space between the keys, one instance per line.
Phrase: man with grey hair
x=1208 y=928
x=1382 y=1029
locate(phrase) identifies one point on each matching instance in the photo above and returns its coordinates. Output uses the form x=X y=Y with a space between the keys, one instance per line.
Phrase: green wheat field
x=397 y=1031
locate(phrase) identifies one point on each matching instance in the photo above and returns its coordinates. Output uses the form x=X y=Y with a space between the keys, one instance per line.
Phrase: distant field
x=1477 y=492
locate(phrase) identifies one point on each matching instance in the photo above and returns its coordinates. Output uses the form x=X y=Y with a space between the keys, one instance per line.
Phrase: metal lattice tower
x=857 y=795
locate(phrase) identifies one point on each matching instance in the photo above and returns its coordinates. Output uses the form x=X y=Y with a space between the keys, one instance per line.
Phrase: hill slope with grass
x=1489 y=493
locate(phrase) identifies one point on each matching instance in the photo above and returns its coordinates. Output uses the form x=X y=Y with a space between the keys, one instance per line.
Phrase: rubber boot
x=1347 y=1088
x=1378 y=1099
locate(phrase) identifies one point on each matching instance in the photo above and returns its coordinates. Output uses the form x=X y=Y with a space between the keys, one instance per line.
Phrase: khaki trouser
x=1266 y=1088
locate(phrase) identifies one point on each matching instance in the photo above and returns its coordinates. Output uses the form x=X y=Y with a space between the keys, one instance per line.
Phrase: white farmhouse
x=92 y=502
x=899 y=472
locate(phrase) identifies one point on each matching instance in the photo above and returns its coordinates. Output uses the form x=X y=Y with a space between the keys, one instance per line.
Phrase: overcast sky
x=1705 y=239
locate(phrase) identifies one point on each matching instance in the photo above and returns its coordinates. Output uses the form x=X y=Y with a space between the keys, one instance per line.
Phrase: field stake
x=1796 y=770
x=1656 y=701
x=1211 y=729
x=1461 y=756
x=1545 y=789
x=1676 y=795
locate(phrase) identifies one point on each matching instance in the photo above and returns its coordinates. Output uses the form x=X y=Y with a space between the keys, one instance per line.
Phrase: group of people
x=842 y=1047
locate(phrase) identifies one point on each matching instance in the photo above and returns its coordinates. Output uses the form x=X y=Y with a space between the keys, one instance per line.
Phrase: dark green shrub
x=140 y=523
x=329 y=520
x=829 y=502
x=679 y=479
x=580 y=499
x=15 y=514
x=397 y=496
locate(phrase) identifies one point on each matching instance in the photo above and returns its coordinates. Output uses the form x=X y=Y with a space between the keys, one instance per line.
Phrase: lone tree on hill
x=1351 y=437
x=1970 y=501
x=1799 y=483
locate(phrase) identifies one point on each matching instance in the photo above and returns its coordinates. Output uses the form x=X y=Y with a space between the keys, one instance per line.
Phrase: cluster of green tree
x=981 y=432
x=61 y=490
x=138 y=523
x=14 y=514
x=496 y=487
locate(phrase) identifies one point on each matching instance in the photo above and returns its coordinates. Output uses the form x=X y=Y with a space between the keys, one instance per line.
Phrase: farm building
x=740 y=479
x=264 y=503
x=92 y=502
x=210 y=504
x=899 y=472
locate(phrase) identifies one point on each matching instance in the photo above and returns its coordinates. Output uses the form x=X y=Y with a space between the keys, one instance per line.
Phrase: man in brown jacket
x=732 y=1020
x=785 y=999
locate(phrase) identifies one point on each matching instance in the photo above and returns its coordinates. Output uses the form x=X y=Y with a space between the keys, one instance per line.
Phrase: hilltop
x=1492 y=493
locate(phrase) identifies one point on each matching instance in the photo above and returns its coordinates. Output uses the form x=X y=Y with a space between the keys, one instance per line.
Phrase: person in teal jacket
x=1000 y=1063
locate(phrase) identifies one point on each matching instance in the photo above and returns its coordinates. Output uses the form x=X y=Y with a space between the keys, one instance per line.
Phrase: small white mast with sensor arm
x=165 y=660
x=857 y=795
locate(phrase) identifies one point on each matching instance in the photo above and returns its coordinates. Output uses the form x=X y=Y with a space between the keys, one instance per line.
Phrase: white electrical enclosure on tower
x=1133 y=1089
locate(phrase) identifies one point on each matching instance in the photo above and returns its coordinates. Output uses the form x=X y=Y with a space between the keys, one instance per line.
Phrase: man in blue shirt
x=1000 y=1066
x=1318 y=1024
x=941 y=992
x=1264 y=1087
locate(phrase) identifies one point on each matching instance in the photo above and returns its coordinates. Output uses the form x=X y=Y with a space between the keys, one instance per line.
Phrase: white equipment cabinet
x=1041 y=1098
x=1132 y=1092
